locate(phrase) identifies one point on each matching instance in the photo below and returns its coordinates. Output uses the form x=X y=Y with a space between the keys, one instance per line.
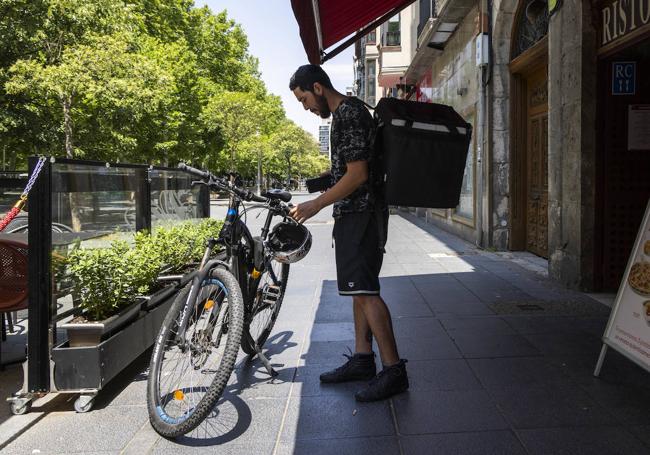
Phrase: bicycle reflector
x=289 y=242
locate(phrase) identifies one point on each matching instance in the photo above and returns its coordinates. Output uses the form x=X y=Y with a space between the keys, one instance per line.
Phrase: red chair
x=13 y=281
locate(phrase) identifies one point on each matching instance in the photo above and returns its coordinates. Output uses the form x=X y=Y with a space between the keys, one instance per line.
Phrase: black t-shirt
x=351 y=138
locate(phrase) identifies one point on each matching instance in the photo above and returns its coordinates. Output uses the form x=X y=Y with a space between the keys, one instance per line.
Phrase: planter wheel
x=84 y=403
x=20 y=406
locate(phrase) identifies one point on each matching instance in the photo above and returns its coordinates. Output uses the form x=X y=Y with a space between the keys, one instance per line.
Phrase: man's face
x=313 y=101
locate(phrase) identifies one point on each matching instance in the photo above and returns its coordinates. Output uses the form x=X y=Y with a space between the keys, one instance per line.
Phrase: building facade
x=324 y=137
x=560 y=103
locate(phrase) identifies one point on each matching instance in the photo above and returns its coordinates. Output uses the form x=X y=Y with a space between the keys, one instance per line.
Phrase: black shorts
x=359 y=239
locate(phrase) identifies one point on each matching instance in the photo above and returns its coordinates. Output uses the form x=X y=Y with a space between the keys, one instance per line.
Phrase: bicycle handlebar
x=221 y=183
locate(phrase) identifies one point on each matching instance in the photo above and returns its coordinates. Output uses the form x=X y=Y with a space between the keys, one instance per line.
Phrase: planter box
x=91 y=367
x=91 y=333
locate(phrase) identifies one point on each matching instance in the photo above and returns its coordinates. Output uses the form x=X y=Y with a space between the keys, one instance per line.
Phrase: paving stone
x=542 y=406
x=420 y=327
x=461 y=308
x=481 y=443
x=629 y=404
x=581 y=441
x=234 y=422
x=473 y=344
x=330 y=417
x=477 y=324
x=499 y=373
x=572 y=344
x=526 y=325
x=420 y=412
x=441 y=347
x=347 y=446
x=642 y=432
x=454 y=374
x=110 y=428
x=307 y=382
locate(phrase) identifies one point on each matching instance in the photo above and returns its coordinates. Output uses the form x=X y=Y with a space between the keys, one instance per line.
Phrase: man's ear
x=318 y=89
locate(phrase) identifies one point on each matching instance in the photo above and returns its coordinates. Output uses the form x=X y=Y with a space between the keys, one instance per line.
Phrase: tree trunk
x=75 y=212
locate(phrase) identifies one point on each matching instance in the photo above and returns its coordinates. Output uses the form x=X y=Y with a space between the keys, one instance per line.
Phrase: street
x=500 y=362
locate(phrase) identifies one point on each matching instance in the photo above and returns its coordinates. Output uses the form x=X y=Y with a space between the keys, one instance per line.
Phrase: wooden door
x=537 y=162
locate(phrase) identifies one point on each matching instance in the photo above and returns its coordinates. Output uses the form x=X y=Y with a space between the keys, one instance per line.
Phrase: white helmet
x=289 y=242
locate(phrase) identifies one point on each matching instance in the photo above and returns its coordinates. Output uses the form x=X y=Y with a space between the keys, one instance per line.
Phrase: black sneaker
x=359 y=367
x=390 y=381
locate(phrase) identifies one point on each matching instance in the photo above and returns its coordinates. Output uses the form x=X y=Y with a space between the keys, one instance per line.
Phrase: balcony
x=391 y=38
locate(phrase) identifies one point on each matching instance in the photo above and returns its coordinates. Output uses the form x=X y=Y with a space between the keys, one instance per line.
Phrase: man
x=359 y=233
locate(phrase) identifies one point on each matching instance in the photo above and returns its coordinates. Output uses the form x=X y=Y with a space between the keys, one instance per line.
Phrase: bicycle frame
x=238 y=261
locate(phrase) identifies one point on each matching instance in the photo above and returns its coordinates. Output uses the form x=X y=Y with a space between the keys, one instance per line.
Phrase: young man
x=359 y=233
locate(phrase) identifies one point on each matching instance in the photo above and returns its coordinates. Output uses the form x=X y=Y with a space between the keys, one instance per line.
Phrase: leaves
x=153 y=81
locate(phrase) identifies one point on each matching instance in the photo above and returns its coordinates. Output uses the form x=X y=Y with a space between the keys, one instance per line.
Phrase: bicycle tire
x=260 y=318
x=162 y=403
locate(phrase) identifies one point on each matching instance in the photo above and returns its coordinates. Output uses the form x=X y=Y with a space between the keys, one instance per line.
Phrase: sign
x=628 y=329
x=622 y=18
x=638 y=127
x=623 y=78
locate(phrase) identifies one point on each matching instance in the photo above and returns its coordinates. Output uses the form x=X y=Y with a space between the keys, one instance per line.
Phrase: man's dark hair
x=307 y=75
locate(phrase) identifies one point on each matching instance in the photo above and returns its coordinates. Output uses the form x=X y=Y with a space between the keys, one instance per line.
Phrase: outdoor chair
x=13 y=282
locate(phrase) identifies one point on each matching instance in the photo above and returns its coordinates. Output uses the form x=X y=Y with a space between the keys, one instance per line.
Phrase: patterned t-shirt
x=351 y=137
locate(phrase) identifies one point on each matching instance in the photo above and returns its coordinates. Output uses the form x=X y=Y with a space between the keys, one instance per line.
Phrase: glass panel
x=172 y=197
x=466 y=206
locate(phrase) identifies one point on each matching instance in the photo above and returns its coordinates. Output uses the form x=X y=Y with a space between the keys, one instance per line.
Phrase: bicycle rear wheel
x=187 y=376
x=267 y=300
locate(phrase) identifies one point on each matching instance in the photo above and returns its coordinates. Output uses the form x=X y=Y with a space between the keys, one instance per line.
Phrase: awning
x=389 y=80
x=324 y=23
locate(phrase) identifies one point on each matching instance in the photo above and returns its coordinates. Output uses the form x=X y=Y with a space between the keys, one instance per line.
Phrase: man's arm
x=355 y=175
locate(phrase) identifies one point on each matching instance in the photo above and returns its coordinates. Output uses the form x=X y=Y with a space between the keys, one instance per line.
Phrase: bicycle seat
x=283 y=195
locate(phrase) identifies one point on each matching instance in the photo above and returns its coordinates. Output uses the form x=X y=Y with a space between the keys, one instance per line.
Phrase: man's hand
x=302 y=212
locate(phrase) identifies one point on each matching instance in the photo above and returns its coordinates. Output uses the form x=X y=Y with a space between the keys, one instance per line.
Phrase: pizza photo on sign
x=646 y=248
x=639 y=279
x=646 y=311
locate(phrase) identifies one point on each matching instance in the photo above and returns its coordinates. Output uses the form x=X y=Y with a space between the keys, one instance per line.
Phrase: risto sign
x=623 y=17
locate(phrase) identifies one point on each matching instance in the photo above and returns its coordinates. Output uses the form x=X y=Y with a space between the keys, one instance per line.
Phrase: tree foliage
x=145 y=81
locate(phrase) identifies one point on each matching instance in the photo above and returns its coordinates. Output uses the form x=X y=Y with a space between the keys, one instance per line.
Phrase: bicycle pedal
x=271 y=294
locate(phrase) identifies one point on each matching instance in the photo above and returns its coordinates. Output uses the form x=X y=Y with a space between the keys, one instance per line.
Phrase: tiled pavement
x=487 y=376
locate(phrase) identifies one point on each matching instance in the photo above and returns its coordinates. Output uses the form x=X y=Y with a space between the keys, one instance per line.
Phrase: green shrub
x=108 y=279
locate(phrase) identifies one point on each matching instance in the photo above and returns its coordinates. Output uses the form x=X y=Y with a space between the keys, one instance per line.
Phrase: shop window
x=466 y=207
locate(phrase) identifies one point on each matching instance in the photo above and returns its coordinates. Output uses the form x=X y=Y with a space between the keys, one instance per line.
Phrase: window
x=391 y=32
x=371 y=38
x=466 y=207
x=370 y=81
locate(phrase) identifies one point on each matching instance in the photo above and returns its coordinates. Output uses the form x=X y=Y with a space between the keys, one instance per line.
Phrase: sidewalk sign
x=628 y=329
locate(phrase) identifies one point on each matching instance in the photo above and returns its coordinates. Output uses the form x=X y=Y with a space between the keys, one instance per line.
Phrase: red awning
x=324 y=23
x=389 y=80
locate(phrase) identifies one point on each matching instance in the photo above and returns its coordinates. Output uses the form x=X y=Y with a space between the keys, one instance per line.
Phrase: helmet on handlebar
x=289 y=242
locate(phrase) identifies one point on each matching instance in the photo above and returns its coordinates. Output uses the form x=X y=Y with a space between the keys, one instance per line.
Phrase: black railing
x=392 y=38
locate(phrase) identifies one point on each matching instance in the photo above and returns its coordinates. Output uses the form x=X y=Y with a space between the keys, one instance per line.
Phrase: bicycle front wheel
x=188 y=372
x=264 y=307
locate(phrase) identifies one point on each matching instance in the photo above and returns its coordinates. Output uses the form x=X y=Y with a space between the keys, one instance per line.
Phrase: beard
x=323 y=107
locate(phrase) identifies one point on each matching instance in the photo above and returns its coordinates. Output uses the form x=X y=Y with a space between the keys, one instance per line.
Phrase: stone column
x=571 y=144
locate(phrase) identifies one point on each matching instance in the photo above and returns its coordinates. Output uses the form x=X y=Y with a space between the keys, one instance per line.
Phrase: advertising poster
x=628 y=329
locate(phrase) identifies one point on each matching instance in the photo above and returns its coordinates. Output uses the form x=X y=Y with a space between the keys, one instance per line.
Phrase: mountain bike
x=232 y=301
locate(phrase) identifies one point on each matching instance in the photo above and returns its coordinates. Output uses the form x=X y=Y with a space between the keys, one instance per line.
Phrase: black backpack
x=418 y=154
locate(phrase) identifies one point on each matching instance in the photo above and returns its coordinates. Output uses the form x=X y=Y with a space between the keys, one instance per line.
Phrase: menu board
x=628 y=329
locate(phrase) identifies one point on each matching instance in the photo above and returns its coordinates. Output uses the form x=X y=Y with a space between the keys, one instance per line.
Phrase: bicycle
x=236 y=295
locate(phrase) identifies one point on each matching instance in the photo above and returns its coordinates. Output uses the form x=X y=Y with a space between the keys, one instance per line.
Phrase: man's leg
x=376 y=317
x=362 y=332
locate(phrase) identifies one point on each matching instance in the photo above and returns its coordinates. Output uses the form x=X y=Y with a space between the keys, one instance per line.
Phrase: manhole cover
x=558 y=307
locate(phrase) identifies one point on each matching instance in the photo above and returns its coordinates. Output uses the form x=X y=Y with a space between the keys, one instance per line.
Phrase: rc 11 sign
x=623 y=78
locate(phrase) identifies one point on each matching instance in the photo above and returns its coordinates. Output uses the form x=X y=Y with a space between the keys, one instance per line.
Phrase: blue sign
x=623 y=78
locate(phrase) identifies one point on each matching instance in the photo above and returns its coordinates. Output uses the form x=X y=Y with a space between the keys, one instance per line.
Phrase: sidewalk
x=500 y=362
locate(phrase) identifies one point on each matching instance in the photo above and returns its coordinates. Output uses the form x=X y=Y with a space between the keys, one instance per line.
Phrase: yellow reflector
x=179 y=395
x=209 y=304
x=255 y=274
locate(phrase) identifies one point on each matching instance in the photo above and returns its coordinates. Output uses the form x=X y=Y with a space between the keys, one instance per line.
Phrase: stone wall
x=498 y=154
x=572 y=149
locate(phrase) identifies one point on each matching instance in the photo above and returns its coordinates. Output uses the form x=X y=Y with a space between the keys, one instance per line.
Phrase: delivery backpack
x=419 y=153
